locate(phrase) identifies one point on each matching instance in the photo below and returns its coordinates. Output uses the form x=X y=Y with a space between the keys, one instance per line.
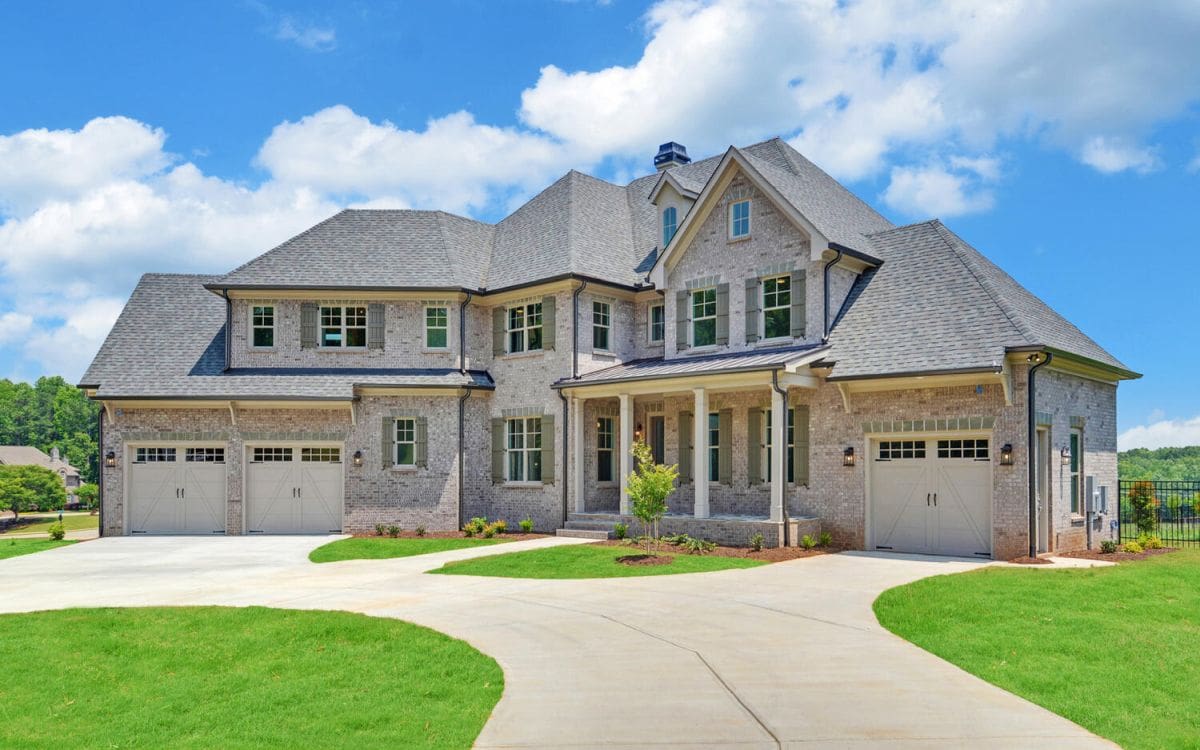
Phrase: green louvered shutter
x=375 y=315
x=722 y=314
x=498 y=451
x=387 y=435
x=308 y=325
x=754 y=445
x=498 y=330
x=421 y=449
x=801 y=448
x=752 y=310
x=547 y=449
x=685 y=446
x=725 y=446
x=548 y=316
x=799 y=303
x=681 y=321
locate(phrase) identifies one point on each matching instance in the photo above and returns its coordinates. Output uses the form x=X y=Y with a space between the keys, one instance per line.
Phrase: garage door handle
x=183 y=493
x=927 y=496
x=176 y=493
x=935 y=499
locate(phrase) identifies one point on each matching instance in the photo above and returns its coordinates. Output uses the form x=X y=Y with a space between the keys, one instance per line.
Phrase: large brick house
x=806 y=363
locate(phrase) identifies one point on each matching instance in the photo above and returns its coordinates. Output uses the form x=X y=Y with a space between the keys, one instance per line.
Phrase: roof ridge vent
x=671 y=154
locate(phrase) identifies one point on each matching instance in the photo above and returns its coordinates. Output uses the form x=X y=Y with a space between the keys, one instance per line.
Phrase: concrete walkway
x=786 y=655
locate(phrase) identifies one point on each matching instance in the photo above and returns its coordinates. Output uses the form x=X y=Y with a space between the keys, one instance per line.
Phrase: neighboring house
x=794 y=352
x=27 y=455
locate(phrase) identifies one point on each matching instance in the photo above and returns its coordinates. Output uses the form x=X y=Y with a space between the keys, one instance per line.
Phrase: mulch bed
x=1027 y=560
x=508 y=536
x=1091 y=554
x=772 y=554
x=640 y=560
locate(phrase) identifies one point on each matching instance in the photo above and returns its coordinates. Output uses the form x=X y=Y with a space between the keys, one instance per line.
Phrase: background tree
x=650 y=485
x=23 y=488
x=52 y=413
x=88 y=494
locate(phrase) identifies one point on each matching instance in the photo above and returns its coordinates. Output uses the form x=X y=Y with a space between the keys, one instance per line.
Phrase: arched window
x=668 y=223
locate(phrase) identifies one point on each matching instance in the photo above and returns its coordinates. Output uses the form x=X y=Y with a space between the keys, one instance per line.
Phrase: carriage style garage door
x=932 y=496
x=177 y=490
x=293 y=489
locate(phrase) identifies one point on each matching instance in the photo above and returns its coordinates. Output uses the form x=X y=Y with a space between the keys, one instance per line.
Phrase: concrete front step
x=590 y=525
x=583 y=533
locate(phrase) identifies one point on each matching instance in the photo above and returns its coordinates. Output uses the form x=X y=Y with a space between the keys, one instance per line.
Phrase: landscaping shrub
x=380 y=529
x=468 y=530
x=676 y=540
x=1133 y=548
x=526 y=525
x=1108 y=546
x=825 y=539
x=756 y=542
x=1149 y=541
x=620 y=530
x=420 y=531
x=1143 y=503
x=500 y=526
x=489 y=531
x=696 y=546
x=57 y=532
x=807 y=542
x=393 y=531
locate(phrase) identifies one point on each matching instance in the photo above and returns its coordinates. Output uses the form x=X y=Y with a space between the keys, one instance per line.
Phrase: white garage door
x=932 y=496
x=177 y=490
x=294 y=490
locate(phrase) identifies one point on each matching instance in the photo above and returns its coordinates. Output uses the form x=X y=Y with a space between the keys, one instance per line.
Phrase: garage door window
x=272 y=454
x=321 y=455
x=154 y=455
x=977 y=449
x=205 y=455
x=892 y=450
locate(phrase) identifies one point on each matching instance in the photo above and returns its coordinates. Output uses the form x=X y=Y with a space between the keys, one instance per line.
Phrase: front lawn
x=1112 y=649
x=205 y=677
x=586 y=561
x=382 y=547
x=17 y=547
x=41 y=524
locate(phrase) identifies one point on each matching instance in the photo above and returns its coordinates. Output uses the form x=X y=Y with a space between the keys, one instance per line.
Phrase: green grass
x=585 y=561
x=41 y=524
x=205 y=677
x=16 y=547
x=1112 y=649
x=382 y=548
x=1169 y=531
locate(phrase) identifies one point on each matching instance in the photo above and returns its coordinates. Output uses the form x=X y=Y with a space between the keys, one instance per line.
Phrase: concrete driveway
x=786 y=655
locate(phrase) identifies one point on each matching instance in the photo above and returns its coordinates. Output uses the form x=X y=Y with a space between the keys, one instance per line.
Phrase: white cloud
x=1194 y=165
x=14 y=326
x=1109 y=155
x=956 y=188
x=1161 y=434
x=312 y=38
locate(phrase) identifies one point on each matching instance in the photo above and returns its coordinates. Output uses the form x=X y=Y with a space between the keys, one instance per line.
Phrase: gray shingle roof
x=149 y=354
x=711 y=364
x=27 y=455
x=936 y=304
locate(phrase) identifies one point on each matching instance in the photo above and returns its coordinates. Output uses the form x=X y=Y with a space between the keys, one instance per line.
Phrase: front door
x=658 y=439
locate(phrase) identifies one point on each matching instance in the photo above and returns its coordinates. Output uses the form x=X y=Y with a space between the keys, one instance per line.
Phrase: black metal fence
x=1169 y=510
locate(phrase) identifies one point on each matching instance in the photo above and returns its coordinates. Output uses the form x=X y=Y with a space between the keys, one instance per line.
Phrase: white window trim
x=1078 y=475
x=693 y=320
x=397 y=442
x=254 y=327
x=525 y=328
x=608 y=327
x=714 y=448
x=426 y=328
x=749 y=220
x=611 y=449
x=650 y=324
x=762 y=309
x=766 y=443
x=526 y=450
x=662 y=224
x=343 y=327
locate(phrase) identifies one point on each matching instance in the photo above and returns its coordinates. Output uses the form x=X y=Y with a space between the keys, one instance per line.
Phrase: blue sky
x=1064 y=142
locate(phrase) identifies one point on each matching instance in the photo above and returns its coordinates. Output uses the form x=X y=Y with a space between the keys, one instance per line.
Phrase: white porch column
x=577 y=453
x=778 y=453
x=625 y=443
x=700 y=453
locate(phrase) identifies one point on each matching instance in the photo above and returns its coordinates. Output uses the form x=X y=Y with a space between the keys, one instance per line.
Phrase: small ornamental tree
x=88 y=494
x=650 y=485
x=1143 y=502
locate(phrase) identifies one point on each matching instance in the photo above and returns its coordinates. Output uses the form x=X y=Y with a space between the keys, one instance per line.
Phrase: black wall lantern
x=110 y=459
x=848 y=456
x=357 y=458
x=1006 y=455
x=1066 y=456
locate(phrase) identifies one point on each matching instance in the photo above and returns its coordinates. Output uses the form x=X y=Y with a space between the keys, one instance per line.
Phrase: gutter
x=993 y=370
x=223 y=289
x=783 y=469
x=462 y=337
x=825 y=295
x=462 y=407
x=1031 y=408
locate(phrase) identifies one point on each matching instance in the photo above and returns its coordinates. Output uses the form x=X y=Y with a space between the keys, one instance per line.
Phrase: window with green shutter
x=405 y=451
x=704 y=317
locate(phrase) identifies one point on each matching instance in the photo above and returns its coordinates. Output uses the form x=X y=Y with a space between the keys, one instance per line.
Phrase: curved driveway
x=786 y=655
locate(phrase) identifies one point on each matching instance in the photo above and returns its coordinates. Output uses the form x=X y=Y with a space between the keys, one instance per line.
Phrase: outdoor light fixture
x=358 y=458
x=848 y=456
x=1066 y=456
x=637 y=432
x=1006 y=456
x=110 y=459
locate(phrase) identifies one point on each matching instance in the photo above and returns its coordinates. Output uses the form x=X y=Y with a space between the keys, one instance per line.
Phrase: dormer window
x=669 y=224
x=739 y=220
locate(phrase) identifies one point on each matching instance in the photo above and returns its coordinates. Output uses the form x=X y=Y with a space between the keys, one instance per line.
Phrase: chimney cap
x=671 y=154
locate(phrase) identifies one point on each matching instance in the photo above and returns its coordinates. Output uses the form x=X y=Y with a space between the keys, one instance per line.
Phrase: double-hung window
x=405 y=441
x=525 y=328
x=739 y=219
x=437 y=327
x=604 y=449
x=669 y=224
x=262 y=326
x=658 y=323
x=601 y=325
x=344 y=326
x=524 y=449
x=791 y=443
x=777 y=307
x=1075 y=466
x=714 y=447
x=704 y=317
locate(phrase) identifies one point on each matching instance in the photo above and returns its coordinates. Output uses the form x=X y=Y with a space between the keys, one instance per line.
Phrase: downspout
x=462 y=407
x=825 y=295
x=566 y=412
x=1031 y=397
x=575 y=329
x=100 y=468
x=462 y=337
x=228 y=328
x=783 y=392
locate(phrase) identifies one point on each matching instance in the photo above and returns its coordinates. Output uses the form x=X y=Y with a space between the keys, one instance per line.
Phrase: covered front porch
x=736 y=425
